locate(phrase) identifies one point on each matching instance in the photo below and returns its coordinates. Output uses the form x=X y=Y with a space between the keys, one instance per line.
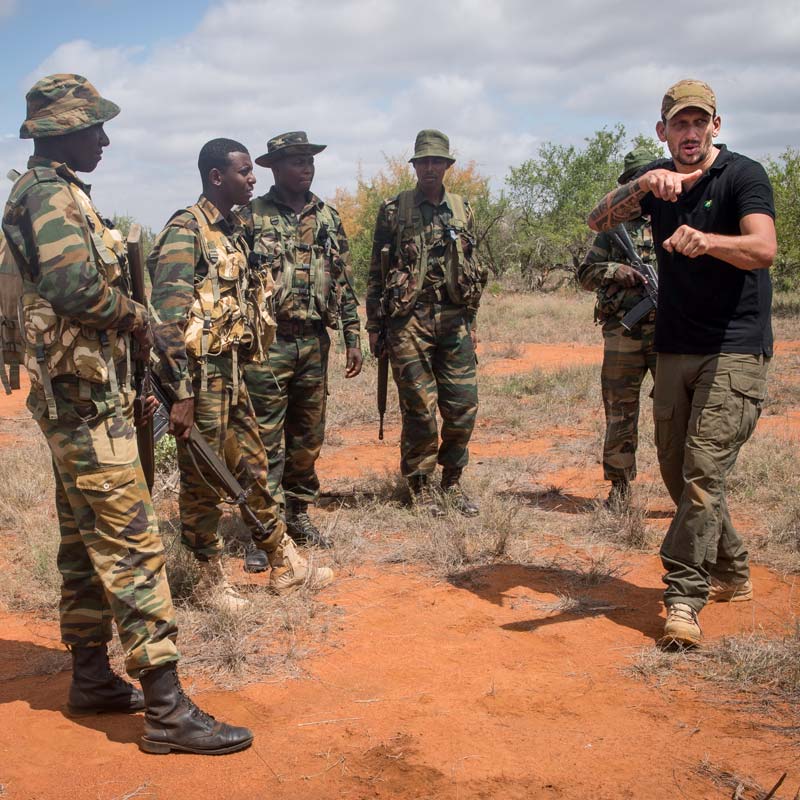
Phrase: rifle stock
x=209 y=462
x=141 y=367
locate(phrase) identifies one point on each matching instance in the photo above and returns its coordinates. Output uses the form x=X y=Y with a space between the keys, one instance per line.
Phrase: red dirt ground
x=428 y=690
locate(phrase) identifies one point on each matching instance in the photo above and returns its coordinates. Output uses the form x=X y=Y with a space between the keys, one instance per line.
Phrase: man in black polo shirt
x=712 y=214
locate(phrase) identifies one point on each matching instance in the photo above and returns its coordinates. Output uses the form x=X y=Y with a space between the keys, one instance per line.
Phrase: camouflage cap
x=432 y=143
x=637 y=158
x=288 y=144
x=64 y=103
x=688 y=94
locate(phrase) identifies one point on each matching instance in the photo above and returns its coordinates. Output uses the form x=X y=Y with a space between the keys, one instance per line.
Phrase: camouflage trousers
x=289 y=395
x=232 y=431
x=627 y=357
x=433 y=363
x=706 y=407
x=110 y=555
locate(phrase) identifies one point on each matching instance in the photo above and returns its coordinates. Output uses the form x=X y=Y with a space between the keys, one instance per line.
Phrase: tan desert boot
x=682 y=628
x=214 y=590
x=725 y=592
x=290 y=570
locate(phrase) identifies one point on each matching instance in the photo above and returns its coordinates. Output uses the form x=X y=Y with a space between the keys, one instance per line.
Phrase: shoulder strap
x=210 y=255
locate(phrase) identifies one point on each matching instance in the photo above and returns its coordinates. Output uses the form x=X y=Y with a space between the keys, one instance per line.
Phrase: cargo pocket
x=663 y=429
x=106 y=481
x=751 y=390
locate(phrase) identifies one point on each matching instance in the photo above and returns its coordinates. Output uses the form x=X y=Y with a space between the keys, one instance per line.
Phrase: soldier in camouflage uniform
x=213 y=308
x=425 y=283
x=10 y=339
x=627 y=355
x=77 y=322
x=301 y=241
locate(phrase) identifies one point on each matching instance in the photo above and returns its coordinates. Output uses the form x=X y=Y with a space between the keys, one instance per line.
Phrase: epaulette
x=182 y=218
x=31 y=178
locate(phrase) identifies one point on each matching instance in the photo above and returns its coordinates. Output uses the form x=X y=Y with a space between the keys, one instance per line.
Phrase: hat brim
x=690 y=102
x=431 y=154
x=268 y=159
x=97 y=113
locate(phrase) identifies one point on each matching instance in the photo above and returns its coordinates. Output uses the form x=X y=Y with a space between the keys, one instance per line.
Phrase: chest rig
x=56 y=346
x=417 y=245
x=304 y=259
x=232 y=302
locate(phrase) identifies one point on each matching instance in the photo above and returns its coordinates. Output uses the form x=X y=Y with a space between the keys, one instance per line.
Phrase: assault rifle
x=622 y=239
x=142 y=380
x=207 y=461
x=381 y=351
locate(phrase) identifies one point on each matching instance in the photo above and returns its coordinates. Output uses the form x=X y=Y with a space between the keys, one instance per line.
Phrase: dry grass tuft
x=625 y=528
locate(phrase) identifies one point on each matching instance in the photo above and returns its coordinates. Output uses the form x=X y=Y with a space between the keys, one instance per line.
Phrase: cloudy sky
x=499 y=76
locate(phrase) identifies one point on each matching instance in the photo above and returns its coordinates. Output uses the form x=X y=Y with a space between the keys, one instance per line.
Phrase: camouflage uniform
x=77 y=316
x=10 y=339
x=428 y=300
x=309 y=257
x=179 y=270
x=627 y=355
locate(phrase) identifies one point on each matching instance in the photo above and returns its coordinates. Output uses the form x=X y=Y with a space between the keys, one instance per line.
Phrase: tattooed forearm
x=617 y=206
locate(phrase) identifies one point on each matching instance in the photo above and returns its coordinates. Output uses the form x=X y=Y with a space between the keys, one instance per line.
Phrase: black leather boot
x=255 y=560
x=96 y=688
x=173 y=722
x=300 y=527
x=423 y=497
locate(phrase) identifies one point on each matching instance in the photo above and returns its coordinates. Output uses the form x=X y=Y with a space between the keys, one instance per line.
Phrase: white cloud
x=364 y=75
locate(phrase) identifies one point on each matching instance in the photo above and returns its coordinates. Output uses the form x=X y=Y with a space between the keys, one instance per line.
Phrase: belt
x=298 y=328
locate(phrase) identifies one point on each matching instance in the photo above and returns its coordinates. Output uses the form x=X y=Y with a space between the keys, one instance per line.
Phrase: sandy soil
x=462 y=689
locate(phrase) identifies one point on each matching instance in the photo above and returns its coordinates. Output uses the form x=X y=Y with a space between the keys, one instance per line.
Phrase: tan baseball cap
x=688 y=93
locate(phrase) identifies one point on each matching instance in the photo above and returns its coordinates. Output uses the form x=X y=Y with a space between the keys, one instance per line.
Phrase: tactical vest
x=616 y=305
x=311 y=246
x=405 y=279
x=232 y=303
x=56 y=346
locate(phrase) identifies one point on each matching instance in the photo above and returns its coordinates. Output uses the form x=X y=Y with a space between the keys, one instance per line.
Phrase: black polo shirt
x=706 y=305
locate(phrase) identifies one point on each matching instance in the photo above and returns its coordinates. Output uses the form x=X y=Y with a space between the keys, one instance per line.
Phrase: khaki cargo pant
x=110 y=556
x=705 y=408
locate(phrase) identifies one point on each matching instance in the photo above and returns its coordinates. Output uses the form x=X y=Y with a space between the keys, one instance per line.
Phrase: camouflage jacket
x=192 y=297
x=75 y=280
x=596 y=273
x=432 y=241
x=309 y=256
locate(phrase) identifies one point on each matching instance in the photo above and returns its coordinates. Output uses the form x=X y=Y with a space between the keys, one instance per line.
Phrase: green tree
x=552 y=194
x=784 y=172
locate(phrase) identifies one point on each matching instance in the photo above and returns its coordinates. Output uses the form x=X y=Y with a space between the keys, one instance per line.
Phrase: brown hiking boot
x=681 y=630
x=290 y=570
x=720 y=591
x=214 y=590
x=173 y=722
x=423 y=497
x=300 y=527
x=96 y=688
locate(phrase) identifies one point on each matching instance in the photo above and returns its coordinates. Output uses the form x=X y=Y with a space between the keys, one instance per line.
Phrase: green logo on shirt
x=707 y=204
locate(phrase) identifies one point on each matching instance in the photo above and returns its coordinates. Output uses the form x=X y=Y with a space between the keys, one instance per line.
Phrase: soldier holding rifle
x=78 y=323
x=425 y=284
x=628 y=353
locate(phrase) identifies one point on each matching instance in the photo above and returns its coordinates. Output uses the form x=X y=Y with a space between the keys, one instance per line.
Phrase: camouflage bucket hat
x=64 y=103
x=688 y=94
x=432 y=143
x=634 y=161
x=288 y=144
